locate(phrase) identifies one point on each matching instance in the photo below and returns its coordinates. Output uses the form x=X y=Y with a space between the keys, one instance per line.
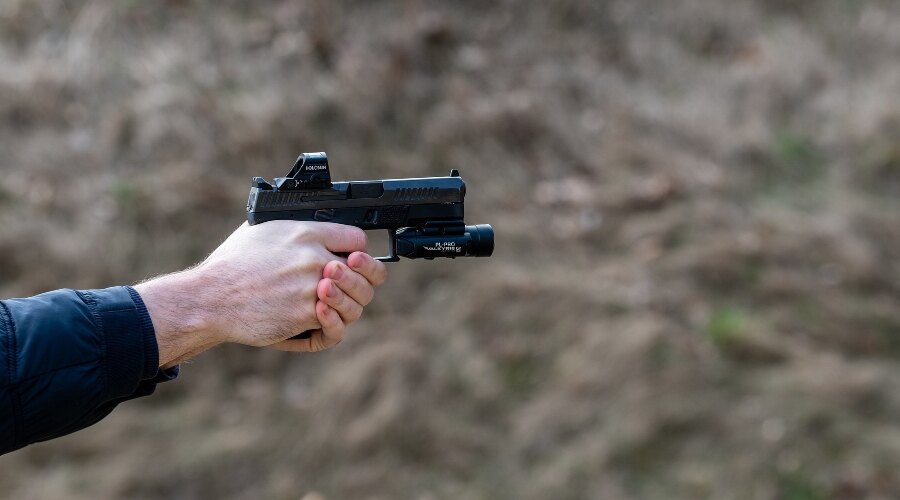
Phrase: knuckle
x=322 y=258
x=308 y=294
x=314 y=258
x=346 y=304
x=367 y=294
x=345 y=311
x=357 y=284
x=331 y=320
x=344 y=233
x=335 y=334
x=363 y=239
x=358 y=235
x=303 y=234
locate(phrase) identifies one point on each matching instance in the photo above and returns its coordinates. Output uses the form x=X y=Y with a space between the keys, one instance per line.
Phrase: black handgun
x=423 y=216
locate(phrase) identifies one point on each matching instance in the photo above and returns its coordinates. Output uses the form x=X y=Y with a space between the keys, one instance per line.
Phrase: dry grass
x=695 y=294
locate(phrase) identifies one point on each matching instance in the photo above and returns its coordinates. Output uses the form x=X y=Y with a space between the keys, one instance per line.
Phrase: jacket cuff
x=132 y=354
x=151 y=349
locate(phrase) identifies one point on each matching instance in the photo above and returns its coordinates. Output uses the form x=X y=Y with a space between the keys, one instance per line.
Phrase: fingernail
x=331 y=292
x=337 y=272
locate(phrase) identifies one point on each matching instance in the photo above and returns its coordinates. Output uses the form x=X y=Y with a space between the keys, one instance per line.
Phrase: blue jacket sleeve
x=68 y=357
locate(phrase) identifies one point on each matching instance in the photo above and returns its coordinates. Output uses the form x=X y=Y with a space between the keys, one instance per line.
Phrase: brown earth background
x=696 y=287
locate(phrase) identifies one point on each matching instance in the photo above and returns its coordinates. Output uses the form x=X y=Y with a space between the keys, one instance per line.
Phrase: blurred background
x=696 y=287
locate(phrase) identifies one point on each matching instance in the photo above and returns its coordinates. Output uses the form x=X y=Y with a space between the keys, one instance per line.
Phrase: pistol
x=423 y=216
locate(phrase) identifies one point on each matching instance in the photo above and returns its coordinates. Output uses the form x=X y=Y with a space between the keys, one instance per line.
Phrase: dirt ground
x=696 y=287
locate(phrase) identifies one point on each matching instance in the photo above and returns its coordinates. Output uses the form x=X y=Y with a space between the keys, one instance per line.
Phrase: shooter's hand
x=258 y=288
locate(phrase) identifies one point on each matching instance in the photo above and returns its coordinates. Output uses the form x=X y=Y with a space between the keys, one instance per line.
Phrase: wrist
x=180 y=315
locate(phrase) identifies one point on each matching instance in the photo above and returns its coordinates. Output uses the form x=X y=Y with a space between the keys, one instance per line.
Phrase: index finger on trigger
x=340 y=238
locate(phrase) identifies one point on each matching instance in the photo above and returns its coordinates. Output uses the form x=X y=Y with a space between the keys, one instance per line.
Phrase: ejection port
x=360 y=190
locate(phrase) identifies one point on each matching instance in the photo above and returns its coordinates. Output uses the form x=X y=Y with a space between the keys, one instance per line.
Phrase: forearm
x=179 y=308
x=67 y=358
